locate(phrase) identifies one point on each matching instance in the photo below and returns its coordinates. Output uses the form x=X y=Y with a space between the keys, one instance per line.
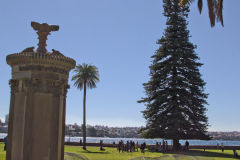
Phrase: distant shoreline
x=2 y=135
x=106 y=140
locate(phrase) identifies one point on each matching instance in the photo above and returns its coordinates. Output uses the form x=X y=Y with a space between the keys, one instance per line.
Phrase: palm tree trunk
x=84 y=117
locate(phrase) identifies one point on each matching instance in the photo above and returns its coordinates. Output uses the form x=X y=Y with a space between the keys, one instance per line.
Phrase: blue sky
x=119 y=37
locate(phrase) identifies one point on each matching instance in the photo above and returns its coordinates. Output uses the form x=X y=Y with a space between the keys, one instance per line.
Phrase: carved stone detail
x=56 y=53
x=32 y=58
x=14 y=86
x=43 y=68
x=29 y=49
x=43 y=31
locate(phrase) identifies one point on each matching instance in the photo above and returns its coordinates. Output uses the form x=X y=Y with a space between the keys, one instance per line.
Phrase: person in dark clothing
x=143 y=146
x=163 y=146
x=130 y=146
x=133 y=146
x=137 y=146
x=179 y=146
x=119 y=146
x=166 y=146
x=127 y=146
x=187 y=145
x=222 y=147
x=156 y=146
x=5 y=143
x=101 y=145
x=122 y=146
x=235 y=154
x=80 y=143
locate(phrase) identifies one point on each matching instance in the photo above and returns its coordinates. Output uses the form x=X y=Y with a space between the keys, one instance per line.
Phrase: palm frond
x=219 y=11
x=211 y=12
x=200 y=6
x=215 y=8
x=85 y=73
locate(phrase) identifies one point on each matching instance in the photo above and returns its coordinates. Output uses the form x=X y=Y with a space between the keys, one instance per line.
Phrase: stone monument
x=38 y=100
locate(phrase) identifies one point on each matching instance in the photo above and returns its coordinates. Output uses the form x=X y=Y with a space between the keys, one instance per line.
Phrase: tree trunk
x=84 y=117
x=176 y=145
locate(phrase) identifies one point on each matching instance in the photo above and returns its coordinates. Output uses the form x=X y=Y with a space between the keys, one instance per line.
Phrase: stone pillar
x=38 y=103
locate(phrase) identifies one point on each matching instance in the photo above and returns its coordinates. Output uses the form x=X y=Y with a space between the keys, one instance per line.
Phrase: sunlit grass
x=94 y=153
x=2 y=152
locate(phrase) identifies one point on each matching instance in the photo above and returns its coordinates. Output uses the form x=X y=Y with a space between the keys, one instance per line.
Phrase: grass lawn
x=93 y=153
x=2 y=152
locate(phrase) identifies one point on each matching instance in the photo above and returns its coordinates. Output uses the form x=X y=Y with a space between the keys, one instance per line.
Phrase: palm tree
x=215 y=8
x=86 y=76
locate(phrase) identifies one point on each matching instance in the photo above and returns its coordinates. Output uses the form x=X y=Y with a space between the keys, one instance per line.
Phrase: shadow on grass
x=98 y=152
x=75 y=156
x=203 y=154
x=165 y=157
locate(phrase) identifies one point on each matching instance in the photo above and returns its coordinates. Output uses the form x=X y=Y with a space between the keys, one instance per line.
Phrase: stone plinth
x=38 y=105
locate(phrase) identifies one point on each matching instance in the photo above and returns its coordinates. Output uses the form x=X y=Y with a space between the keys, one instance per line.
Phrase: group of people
x=222 y=146
x=161 y=147
x=130 y=146
x=235 y=154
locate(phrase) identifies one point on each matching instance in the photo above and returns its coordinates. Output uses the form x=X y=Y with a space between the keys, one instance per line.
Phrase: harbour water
x=148 y=141
x=152 y=141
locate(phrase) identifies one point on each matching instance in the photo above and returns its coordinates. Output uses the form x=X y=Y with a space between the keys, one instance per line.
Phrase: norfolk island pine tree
x=175 y=99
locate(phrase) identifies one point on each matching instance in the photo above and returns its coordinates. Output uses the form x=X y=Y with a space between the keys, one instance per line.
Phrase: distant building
x=122 y=133
x=1 y=122
x=3 y=126
x=6 y=119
